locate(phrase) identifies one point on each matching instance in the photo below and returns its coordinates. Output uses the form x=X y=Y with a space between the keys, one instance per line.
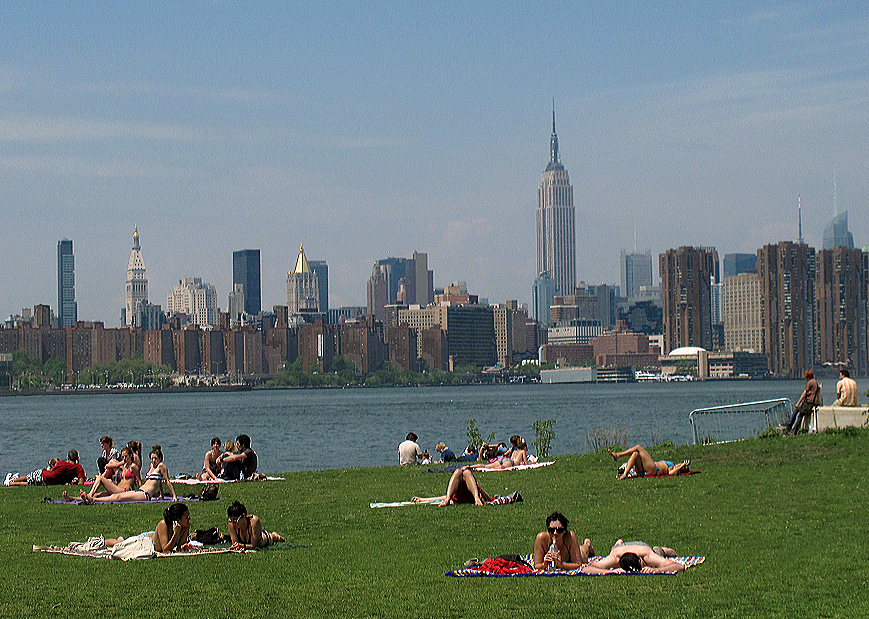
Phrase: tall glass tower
x=67 y=308
x=556 y=223
x=246 y=271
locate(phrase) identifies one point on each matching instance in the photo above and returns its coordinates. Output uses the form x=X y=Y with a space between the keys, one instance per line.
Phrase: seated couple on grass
x=641 y=464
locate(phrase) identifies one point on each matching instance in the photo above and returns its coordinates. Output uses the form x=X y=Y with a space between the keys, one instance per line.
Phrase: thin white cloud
x=83 y=167
x=17 y=128
x=182 y=91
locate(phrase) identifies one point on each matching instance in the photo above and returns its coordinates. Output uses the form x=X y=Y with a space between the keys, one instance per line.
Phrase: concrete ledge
x=841 y=416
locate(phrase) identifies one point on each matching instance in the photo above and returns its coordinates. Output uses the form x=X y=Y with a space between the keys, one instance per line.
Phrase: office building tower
x=742 y=305
x=836 y=233
x=136 y=287
x=787 y=279
x=556 y=222
x=405 y=281
x=196 y=299
x=841 y=293
x=734 y=264
x=636 y=270
x=235 y=305
x=543 y=295
x=302 y=288
x=67 y=308
x=321 y=270
x=246 y=271
x=687 y=274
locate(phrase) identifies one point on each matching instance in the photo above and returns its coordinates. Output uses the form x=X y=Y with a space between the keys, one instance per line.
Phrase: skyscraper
x=136 y=289
x=636 y=272
x=687 y=275
x=556 y=222
x=321 y=270
x=734 y=264
x=787 y=280
x=196 y=299
x=246 y=271
x=836 y=233
x=67 y=308
x=303 y=292
x=841 y=295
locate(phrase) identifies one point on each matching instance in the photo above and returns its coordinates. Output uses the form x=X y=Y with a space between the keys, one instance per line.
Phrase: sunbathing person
x=151 y=487
x=246 y=532
x=633 y=557
x=462 y=488
x=569 y=554
x=213 y=464
x=128 y=473
x=136 y=449
x=171 y=533
x=59 y=472
x=642 y=464
x=516 y=456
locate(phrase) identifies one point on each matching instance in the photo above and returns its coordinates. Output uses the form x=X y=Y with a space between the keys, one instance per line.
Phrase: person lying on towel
x=462 y=488
x=172 y=533
x=633 y=557
x=640 y=464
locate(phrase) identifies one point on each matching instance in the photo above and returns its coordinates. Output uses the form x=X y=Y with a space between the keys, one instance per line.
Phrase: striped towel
x=476 y=571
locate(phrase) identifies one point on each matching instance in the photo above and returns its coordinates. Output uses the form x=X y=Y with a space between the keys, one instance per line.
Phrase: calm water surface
x=306 y=429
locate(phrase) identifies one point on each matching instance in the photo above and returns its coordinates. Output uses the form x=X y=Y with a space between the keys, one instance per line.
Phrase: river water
x=311 y=429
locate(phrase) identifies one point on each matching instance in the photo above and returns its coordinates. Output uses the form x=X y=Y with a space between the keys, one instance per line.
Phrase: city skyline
x=374 y=132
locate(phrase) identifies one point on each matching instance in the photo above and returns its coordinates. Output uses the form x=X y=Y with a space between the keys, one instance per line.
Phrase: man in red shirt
x=59 y=472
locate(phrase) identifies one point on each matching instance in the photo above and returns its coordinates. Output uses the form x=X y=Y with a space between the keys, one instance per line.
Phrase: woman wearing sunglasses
x=568 y=554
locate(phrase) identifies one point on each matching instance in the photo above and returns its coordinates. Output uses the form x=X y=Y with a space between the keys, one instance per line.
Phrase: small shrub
x=544 y=433
x=769 y=433
x=601 y=438
x=474 y=435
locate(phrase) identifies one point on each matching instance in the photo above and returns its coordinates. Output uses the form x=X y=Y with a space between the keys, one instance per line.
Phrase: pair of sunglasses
x=554 y=530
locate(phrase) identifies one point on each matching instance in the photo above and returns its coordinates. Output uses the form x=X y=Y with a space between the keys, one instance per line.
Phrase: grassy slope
x=782 y=522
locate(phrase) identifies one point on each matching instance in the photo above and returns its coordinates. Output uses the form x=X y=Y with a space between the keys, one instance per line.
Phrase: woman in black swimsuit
x=569 y=555
x=246 y=532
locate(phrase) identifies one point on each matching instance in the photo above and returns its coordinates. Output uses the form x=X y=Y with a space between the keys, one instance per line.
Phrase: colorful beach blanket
x=476 y=571
x=495 y=500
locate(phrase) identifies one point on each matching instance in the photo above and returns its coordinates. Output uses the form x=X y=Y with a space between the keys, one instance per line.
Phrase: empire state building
x=556 y=223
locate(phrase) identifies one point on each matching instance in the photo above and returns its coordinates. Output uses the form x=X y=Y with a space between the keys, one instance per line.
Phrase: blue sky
x=368 y=130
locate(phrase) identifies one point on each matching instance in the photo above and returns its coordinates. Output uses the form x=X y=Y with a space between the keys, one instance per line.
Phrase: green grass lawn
x=782 y=522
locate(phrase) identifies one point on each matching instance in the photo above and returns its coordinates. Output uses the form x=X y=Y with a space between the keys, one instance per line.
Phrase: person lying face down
x=633 y=557
x=246 y=531
x=59 y=472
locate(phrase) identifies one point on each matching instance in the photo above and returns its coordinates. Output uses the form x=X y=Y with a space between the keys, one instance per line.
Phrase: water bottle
x=550 y=566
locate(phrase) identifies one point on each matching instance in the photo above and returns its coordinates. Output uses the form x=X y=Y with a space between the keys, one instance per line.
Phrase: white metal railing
x=734 y=422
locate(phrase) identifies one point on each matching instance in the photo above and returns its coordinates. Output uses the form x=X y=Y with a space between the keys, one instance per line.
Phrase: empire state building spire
x=556 y=222
x=553 y=142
